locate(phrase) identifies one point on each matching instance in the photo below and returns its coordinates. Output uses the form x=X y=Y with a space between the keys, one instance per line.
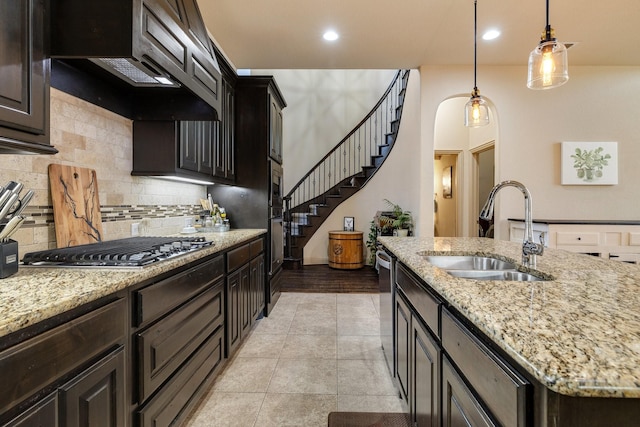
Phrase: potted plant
x=400 y=221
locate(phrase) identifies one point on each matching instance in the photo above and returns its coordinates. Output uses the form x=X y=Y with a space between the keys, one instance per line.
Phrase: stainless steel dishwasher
x=385 y=263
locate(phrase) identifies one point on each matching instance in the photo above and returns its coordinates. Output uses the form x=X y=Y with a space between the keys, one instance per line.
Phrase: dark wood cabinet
x=177 y=341
x=156 y=38
x=53 y=363
x=174 y=148
x=42 y=414
x=224 y=154
x=257 y=285
x=245 y=291
x=96 y=397
x=417 y=366
x=24 y=78
x=275 y=133
x=196 y=144
x=445 y=373
x=418 y=351
x=425 y=376
x=460 y=408
x=403 y=349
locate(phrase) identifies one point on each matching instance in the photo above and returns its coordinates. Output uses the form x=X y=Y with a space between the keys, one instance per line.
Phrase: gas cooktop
x=129 y=252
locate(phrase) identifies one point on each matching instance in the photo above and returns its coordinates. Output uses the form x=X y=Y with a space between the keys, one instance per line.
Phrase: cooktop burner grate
x=129 y=252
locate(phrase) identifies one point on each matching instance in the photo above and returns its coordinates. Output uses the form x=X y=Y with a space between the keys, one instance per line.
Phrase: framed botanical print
x=589 y=163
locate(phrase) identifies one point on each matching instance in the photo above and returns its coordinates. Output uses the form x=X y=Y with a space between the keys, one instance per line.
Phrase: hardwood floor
x=322 y=278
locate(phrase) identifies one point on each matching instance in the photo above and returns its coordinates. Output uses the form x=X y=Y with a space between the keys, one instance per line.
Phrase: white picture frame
x=589 y=163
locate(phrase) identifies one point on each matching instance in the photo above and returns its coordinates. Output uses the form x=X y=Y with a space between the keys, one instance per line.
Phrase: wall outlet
x=135 y=229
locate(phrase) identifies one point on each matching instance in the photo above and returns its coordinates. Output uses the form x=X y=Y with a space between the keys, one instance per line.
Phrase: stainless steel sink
x=509 y=275
x=470 y=262
x=479 y=268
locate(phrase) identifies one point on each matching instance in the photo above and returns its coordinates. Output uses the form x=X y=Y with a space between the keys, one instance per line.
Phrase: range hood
x=146 y=43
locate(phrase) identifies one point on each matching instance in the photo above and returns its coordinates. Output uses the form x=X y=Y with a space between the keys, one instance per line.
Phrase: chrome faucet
x=529 y=248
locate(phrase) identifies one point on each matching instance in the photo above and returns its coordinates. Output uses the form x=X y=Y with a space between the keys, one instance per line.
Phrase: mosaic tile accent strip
x=42 y=216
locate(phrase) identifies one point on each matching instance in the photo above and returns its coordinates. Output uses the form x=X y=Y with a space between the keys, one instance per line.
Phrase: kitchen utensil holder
x=8 y=258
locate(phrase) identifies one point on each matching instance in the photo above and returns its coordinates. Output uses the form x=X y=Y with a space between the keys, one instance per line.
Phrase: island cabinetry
x=245 y=291
x=503 y=391
x=178 y=341
x=459 y=405
x=71 y=374
x=24 y=78
x=444 y=372
x=418 y=350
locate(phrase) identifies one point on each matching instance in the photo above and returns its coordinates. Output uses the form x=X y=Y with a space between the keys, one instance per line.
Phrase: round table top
x=344 y=232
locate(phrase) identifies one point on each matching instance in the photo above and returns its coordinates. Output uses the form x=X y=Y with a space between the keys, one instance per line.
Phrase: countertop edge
x=35 y=294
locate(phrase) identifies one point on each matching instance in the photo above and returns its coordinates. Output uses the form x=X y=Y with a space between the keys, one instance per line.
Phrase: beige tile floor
x=315 y=353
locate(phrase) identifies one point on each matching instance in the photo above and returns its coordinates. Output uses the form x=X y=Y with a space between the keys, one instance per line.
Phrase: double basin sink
x=479 y=268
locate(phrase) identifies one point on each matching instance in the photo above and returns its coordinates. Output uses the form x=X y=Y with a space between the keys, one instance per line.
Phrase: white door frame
x=475 y=178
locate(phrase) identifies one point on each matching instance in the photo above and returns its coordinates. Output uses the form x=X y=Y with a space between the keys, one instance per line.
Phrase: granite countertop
x=34 y=294
x=578 y=334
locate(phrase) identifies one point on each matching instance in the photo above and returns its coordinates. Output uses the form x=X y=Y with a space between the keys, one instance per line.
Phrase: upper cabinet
x=24 y=79
x=259 y=116
x=149 y=44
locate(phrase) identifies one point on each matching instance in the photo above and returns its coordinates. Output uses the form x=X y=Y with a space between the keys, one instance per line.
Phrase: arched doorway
x=472 y=172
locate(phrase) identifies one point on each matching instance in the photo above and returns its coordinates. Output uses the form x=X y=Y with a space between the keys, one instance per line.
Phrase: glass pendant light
x=548 y=64
x=476 y=111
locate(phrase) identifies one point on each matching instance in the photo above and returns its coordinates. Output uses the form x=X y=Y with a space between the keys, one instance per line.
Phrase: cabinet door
x=257 y=286
x=24 y=72
x=224 y=152
x=459 y=407
x=245 y=304
x=425 y=377
x=42 y=414
x=205 y=145
x=188 y=146
x=96 y=397
x=232 y=324
x=403 y=341
x=275 y=133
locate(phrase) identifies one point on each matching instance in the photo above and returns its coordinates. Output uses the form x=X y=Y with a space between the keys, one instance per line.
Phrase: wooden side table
x=345 y=250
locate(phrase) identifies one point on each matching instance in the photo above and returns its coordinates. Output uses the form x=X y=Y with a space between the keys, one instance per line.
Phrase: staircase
x=343 y=171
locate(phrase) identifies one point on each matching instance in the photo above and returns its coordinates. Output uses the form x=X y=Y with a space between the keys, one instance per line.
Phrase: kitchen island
x=575 y=338
x=129 y=345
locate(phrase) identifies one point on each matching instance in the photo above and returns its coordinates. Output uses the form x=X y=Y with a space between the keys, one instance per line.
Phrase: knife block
x=8 y=258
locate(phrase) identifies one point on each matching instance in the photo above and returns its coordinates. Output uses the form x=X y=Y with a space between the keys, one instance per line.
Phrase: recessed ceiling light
x=491 y=34
x=330 y=35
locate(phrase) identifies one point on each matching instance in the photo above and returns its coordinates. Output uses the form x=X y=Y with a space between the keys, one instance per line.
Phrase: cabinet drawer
x=426 y=305
x=634 y=239
x=159 y=298
x=257 y=246
x=500 y=387
x=566 y=238
x=163 y=347
x=172 y=403
x=33 y=364
x=238 y=257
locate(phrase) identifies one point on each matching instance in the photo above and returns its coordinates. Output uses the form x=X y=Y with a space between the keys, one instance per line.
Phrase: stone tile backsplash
x=92 y=137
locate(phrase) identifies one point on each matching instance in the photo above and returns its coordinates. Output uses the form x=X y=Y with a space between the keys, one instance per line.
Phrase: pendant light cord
x=547 y=29
x=475 y=44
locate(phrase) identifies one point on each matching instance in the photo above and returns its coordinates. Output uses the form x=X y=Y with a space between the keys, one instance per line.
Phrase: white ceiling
x=384 y=34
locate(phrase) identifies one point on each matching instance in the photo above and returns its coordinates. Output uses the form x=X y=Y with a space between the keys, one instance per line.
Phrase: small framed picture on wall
x=349 y=223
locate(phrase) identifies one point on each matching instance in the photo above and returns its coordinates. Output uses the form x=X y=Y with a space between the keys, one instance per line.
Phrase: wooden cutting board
x=76 y=208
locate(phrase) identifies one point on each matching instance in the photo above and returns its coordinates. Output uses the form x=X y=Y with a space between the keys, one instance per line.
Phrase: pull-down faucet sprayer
x=529 y=248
